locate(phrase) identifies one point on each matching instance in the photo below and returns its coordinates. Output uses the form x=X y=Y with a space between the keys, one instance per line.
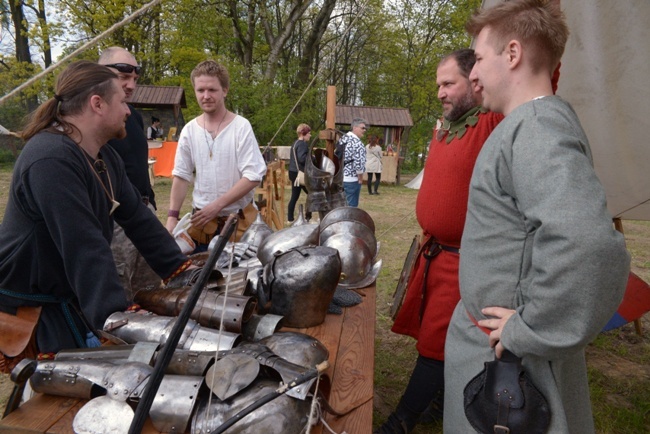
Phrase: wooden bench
x=350 y=339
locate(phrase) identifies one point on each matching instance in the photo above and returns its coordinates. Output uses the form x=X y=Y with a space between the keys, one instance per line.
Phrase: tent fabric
x=636 y=302
x=604 y=75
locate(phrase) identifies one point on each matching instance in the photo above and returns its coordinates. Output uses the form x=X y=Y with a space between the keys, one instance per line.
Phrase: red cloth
x=164 y=156
x=440 y=208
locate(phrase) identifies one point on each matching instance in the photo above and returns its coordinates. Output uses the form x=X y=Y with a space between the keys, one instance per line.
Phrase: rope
x=81 y=49
x=286 y=119
x=395 y=224
x=314 y=412
x=223 y=313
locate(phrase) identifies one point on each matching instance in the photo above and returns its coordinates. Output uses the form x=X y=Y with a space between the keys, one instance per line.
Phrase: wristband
x=172 y=213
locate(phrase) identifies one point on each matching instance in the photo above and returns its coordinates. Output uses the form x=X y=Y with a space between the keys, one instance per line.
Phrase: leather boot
x=401 y=421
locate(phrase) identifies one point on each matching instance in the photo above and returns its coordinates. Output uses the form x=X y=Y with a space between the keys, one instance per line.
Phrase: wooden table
x=350 y=339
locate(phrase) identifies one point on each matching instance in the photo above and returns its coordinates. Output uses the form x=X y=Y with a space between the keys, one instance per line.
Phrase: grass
x=619 y=360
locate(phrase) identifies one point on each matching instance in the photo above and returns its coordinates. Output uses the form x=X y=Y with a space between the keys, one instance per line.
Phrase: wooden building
x=163 y=102
x=395 y=124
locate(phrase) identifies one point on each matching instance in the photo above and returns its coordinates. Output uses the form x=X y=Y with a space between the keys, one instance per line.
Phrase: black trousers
x=426 y=383
x=295 y=194
x=377 y=181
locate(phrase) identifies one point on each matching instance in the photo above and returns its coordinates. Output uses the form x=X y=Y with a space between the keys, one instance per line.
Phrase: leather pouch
x=502 y=399
x=205 y=234
x=18 y=337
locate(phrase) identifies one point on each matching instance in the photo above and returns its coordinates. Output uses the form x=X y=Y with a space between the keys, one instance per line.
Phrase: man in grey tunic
x=542 y=269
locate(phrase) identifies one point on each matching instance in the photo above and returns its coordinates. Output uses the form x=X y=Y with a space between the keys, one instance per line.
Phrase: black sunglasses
x=126 y=68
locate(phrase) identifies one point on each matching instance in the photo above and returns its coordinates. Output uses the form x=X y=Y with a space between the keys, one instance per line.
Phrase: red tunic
x=440 y=208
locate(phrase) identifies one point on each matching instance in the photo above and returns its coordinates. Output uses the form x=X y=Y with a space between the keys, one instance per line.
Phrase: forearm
x=239 y=190
x=179 y=190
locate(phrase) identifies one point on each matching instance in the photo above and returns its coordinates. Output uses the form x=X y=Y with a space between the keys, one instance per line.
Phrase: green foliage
x=389 y=57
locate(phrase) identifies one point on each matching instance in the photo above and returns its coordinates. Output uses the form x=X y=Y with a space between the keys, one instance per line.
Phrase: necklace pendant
x=210 y=155
x=114 y=207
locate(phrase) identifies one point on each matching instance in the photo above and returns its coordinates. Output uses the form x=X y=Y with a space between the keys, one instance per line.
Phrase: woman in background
x=373 y=162
x=299 y=152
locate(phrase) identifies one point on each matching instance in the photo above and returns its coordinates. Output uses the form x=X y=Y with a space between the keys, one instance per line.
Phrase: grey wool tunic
x=539 y=239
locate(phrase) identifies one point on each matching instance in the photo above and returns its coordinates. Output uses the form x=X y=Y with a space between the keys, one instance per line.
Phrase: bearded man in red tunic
x=441 y=205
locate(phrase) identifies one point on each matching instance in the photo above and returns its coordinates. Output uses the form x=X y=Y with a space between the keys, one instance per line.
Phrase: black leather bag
x=502 y=399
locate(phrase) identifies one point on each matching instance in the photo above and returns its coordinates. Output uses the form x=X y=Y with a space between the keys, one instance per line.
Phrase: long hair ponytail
x=78 y=82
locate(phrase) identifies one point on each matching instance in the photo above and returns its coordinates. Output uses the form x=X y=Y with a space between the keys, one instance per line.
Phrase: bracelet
x=178 y=271
x=172 y=213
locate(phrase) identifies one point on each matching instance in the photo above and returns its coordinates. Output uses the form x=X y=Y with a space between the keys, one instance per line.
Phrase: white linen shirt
x=235 y=154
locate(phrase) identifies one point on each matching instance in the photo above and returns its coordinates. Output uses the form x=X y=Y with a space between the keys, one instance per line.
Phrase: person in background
x=219 y=152
x=155 y=130
x=373 y=163
x=432 y=291
x=298 y=156
x=133 y=270
x=542 y=268
x=67 y=189
x=354 y=160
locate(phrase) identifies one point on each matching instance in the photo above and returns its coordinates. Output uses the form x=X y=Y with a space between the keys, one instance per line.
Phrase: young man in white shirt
x=218 y=151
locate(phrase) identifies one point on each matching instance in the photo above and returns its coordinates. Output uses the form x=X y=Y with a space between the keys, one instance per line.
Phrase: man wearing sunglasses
x=134 y=271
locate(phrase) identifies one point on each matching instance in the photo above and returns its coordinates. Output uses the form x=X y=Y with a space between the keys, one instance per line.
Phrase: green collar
x=458 y=128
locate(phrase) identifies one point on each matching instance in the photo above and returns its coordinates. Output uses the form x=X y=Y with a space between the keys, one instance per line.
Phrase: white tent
x=604 y=75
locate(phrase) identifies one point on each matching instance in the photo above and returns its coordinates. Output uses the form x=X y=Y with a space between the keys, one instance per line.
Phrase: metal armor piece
x=348 y=213
x=173 y=405
x=256 y=232
x=300 y=220
x=184 y=362
x=103 y=415
x=325 y=186
x=301 y=284
x=208 y=311
x=351 y=232
x=76 y=379
x=89 y=378
x=135 y=327
x=261 y=326
x=288 y=371
x=298 y=348
x=284 y=415
x=285 y=239
x=189 y=278
x=231 y=374
x=356 y=258
x=351 y=229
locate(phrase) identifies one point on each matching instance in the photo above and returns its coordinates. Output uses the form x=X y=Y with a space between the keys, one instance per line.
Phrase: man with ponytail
x=67 y=191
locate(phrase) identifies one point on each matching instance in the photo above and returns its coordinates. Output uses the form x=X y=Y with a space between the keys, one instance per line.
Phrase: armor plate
x=301 y=284
x=285 y=239
x=135 y=327
x=284 y=415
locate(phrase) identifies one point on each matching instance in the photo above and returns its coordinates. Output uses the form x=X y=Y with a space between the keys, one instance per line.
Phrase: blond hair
x=212 y=69
x=539 y=25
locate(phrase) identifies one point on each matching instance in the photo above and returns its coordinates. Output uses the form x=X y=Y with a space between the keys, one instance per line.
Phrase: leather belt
x=429 y=253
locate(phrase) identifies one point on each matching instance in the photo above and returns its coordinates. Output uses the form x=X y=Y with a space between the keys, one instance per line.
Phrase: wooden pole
x=330 y=120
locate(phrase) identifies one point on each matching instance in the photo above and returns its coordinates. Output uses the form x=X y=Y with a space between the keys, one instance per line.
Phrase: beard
x=121 y=134
x=460 y=107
